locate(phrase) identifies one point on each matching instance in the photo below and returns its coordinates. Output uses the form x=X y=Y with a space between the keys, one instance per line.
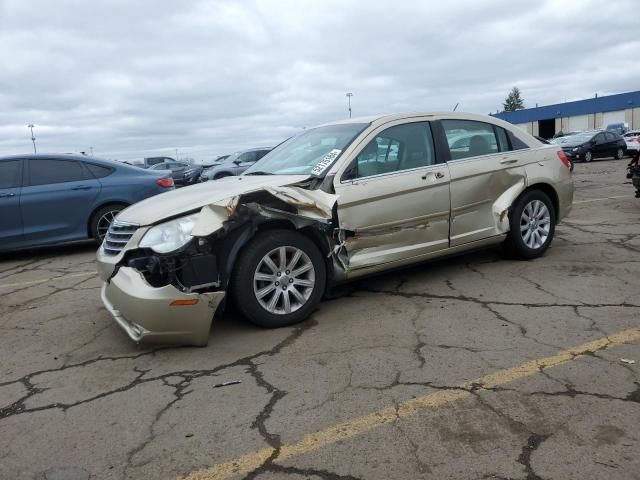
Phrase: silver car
x=332 y=204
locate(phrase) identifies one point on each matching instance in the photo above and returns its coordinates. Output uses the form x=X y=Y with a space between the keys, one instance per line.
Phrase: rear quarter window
x=99 y=171
x=516 y=143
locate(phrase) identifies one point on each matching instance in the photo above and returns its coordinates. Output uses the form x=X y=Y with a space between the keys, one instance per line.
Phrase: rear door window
x=468 y=138
x=10 y=173
x=50 y=171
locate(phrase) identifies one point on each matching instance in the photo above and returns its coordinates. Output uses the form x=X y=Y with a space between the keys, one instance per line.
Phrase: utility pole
x=91 y=150
x=176 y=154
x=349 y=95
x=33 y=139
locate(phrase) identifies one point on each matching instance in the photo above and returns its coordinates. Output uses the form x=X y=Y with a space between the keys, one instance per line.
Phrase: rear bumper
x=564 y=190
x=146 y=315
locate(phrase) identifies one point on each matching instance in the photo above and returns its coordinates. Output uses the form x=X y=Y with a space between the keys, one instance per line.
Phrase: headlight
x=575 y=149
x=169 y=236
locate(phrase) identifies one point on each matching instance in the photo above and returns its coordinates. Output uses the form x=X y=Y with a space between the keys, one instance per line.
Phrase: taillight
x=165 y=182
x=564 y=159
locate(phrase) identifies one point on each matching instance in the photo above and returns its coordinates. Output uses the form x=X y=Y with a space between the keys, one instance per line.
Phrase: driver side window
x=398 y=148
x=247 y=157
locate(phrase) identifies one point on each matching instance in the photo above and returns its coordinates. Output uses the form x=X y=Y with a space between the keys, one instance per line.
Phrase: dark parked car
x=235 y=164
x=182 y=173
x=585 y=146
x=46 y=199
x=151 y=161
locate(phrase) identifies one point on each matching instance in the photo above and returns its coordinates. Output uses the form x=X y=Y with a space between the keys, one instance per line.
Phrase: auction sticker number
x=325 y=162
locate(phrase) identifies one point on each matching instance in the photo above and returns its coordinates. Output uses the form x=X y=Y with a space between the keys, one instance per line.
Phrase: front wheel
x=532 y=225
x=279 y=278
x=588 y=156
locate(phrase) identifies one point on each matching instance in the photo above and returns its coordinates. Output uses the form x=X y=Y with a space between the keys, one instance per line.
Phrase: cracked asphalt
x=472 y=367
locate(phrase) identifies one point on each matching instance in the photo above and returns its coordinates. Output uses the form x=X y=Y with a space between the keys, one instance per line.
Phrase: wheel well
x=550 y=192
x=99 y=207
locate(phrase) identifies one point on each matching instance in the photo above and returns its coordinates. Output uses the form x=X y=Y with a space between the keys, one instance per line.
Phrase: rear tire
x=532 y=222
x=279 y=278
x=101 y=220
x=222 y=175
x=619 y=154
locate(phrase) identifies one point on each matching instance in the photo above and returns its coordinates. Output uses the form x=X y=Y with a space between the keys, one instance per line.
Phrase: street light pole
x=33 y=139
x=349 y=95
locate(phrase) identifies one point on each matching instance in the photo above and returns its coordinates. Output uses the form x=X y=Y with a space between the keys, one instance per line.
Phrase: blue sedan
x=46 y=199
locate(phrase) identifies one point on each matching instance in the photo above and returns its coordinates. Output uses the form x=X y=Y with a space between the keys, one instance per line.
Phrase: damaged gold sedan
x=334 y=203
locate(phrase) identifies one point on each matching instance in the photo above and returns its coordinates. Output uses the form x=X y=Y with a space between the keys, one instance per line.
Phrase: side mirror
x=237 y=161
x=593 y=142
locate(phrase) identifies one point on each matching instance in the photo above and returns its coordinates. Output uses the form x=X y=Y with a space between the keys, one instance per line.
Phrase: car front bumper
x=159 y=315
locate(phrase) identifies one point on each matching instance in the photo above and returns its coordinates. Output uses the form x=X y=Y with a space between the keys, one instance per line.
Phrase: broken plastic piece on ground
x=627 y=360
x=225 y=384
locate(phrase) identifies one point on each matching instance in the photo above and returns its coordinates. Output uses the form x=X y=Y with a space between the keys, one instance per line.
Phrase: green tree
x=513 y=101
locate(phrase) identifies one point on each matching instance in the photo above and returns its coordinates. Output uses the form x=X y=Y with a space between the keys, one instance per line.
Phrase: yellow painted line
x=359 y=426
x=45 y=280
x=602 y=199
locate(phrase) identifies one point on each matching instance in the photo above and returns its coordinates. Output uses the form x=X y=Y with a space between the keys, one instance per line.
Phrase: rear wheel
x=532 y=225
x=279 y=278
x=619 y=154
x=102 y=219
x=222 y=175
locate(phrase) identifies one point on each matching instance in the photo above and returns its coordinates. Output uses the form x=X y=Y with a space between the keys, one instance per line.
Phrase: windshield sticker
x=325 y=162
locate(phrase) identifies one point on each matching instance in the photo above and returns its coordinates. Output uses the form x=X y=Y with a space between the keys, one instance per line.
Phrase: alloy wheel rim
x=619 y=154
x=535 y=223
x=284 y=280
x=104 y=222
x=587 y=157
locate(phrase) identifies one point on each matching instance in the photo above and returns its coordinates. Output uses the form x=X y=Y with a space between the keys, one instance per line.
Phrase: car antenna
x=454 y=108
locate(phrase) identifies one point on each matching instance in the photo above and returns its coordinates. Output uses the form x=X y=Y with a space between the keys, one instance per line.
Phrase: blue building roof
x=610 y=103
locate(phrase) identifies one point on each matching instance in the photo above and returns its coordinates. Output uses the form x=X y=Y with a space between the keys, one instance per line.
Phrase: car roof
x=66 y=156
x=376 y=120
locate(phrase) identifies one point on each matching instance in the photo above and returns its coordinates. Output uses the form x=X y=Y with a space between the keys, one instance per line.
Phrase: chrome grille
x=117 y=237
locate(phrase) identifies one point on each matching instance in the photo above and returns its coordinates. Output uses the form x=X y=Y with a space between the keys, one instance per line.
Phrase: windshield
x=580 y=138
x=310 y=153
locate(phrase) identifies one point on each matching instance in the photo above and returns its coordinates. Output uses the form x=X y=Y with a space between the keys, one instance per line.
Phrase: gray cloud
x=208 y=77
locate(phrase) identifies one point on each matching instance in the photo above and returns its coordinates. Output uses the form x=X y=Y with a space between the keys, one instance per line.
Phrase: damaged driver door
x=393 y=198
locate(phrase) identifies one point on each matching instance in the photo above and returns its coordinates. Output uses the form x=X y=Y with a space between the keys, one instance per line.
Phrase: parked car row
x=234 y=164
x=590 y=144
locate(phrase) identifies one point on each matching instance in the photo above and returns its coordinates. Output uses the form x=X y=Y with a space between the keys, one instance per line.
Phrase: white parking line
x=36 y=282
x=602 y=199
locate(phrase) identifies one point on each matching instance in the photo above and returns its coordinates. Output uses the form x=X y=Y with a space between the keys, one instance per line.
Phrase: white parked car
x=632 y=139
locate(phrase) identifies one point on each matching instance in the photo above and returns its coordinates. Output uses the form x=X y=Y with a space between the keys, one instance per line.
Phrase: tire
x=222 y=175
x=101 y=220
x=619 y=154
x=289 y=307
x=588 y=156
x=530 y=240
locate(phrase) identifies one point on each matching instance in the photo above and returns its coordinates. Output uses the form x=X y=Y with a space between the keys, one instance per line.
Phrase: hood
x=188 y=199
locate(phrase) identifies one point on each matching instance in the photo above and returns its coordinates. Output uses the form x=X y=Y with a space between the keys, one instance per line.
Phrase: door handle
x=437 y=175
x=82 y=187
x=6 y=195
x=508 y=160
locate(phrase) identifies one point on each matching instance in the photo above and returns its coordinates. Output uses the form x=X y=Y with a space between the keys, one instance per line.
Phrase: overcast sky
x=137 y=78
